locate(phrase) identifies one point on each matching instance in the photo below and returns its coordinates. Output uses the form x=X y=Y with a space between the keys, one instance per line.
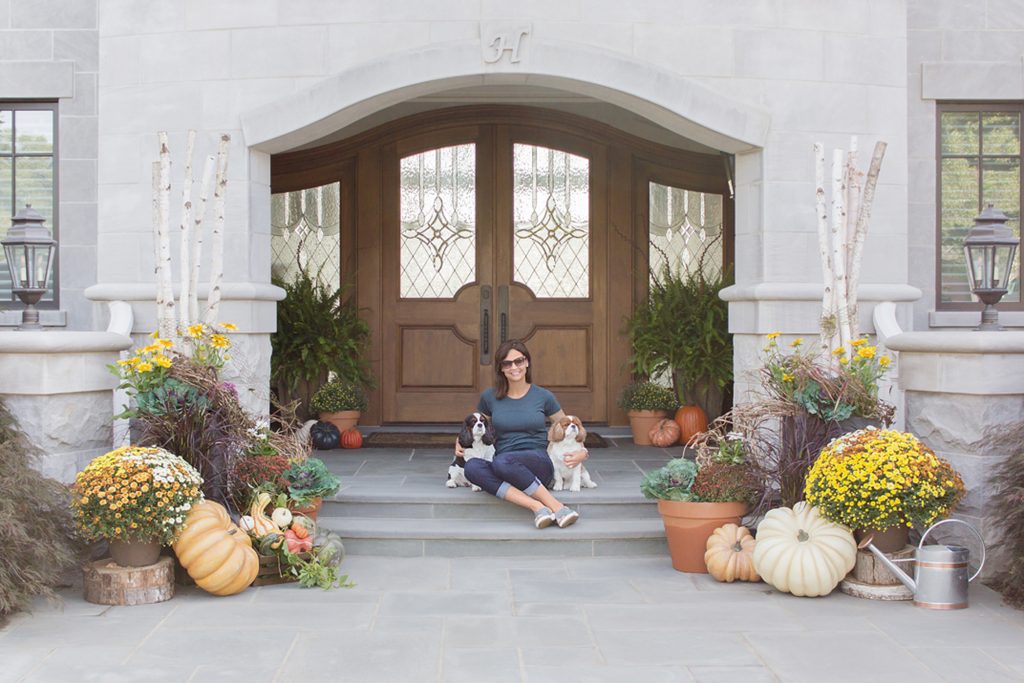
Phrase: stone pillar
x=961 y=389
x=58 y=387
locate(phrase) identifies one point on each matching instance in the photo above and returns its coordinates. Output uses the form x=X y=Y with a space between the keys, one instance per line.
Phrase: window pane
x=33 y=131
x=960 y=132
x=6 y=212
x=959 y=207
x=1000 y=186
x=6 y=118
x=438 y=229
x=682 y=225
x=306 y=234
x=1001 y=133
x=551 y=194
x=33 y=184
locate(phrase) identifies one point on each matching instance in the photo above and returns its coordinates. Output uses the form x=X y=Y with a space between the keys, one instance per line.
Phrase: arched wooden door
x=489 y=233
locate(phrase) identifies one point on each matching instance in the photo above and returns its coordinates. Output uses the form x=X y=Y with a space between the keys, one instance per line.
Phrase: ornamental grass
x=135 y=493
x=1006 y=511
x=874 y=479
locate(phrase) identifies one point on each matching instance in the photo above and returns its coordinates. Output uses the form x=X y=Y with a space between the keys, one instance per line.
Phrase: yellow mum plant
x=135 y=493
x=880 y=478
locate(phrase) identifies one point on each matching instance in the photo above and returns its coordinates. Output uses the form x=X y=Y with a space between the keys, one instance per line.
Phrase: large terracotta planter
x=688 y=526
x=641 y=422
x=345 y=419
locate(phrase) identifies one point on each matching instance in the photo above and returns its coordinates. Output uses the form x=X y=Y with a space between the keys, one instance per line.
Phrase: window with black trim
x=28 y=175
x=979 y=151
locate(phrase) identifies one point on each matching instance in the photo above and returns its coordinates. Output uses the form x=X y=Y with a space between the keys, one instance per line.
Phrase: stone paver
x=516 y=619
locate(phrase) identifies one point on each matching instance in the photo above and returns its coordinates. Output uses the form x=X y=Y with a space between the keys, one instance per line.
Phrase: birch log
x=184 y=257
x=197 y=236
x=863 y=216
x=828 y=320
x=839 y=244
x=165 y=303
x=217 y=234
x=157 y=275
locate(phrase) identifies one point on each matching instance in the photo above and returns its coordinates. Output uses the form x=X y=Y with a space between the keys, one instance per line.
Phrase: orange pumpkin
x=351 y=438
x=664 y=433
x=692 y=420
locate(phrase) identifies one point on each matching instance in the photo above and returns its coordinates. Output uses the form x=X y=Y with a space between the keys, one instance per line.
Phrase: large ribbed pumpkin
x=351 y=438
x=800 y=552
x=692 y=420
x=664 y=434
x=730 y=554
x=216 y=553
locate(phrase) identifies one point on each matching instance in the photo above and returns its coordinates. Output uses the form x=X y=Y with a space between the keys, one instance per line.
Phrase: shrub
x=250 y=472
x=645 y=395
x=338 y=395
x=724 y=482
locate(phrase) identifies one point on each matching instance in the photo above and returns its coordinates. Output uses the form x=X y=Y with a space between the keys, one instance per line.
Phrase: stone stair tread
x=463 y=496
x=489 y=529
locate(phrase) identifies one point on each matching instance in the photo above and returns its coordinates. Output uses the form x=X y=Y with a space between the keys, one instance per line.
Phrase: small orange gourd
x=692 y=420
x=664 y=433
x=730 y=554
x=216 y=553
x=351 y=438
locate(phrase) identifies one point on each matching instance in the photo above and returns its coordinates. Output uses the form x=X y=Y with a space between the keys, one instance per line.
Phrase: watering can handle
x=969 y=526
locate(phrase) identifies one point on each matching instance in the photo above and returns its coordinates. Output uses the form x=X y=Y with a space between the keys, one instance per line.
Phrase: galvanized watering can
x=940 y=571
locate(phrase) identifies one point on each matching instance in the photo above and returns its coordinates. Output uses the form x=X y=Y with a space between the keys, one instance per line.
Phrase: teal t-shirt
x=520 y=423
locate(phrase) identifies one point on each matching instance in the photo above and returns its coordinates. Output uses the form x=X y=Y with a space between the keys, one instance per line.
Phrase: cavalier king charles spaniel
x=477 y=441
x=566 y=436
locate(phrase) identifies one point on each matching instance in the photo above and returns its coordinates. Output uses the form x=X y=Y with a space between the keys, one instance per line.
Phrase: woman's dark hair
x=500 y=381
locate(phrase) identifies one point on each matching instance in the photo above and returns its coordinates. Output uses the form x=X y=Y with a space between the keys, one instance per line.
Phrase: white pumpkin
x=282 y=517
x=800 y=552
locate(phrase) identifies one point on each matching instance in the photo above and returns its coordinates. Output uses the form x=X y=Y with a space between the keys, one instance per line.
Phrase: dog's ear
x=581 y=435
x=557 y=432
x=466 y=437
x=488 y=437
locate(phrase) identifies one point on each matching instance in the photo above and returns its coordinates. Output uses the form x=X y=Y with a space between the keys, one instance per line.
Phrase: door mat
x=440 y=440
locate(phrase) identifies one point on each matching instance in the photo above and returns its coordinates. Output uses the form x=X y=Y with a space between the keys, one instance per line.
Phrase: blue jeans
x=524 y=470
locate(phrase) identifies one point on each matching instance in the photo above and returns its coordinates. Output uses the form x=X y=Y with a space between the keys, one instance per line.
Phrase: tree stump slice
x=108 y=583
x=872 y=579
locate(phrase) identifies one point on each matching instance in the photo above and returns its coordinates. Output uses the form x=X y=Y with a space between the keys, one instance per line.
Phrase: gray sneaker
x=543 y=517
x=566 y=517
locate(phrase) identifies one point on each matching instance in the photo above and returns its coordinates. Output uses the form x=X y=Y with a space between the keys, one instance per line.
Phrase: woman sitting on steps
x=518 y=411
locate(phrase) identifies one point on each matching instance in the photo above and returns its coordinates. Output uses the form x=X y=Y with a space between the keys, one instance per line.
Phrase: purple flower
x=230 y=387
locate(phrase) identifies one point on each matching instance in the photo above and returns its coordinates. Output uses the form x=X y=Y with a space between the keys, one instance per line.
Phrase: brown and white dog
x=566 y=436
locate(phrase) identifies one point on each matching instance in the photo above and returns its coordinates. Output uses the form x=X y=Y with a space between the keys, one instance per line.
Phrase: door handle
x=503 y=313
x=485 y=325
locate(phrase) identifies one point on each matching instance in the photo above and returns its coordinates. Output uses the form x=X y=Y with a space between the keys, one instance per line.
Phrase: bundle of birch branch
x=841 y=238
x=173 y=319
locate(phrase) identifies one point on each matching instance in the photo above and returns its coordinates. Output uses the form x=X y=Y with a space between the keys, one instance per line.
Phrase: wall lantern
x=29 y=250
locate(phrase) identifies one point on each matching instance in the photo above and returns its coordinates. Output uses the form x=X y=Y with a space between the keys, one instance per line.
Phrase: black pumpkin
x=324 y=436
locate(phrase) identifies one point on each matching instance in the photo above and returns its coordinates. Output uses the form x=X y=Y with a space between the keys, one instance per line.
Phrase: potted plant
x=884 y=482
x=136 y=498
x=682 y=332
x=694 y=500
x=645 y=403
x=339 y=402
x=319 y=332
x=309 y=481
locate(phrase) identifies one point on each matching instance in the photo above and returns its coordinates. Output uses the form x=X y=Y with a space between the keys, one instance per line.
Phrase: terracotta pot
x=311 y=510
x=688 y=526
x=891 y=540
x=134 y=553
x=641 y=422
x=344 y=419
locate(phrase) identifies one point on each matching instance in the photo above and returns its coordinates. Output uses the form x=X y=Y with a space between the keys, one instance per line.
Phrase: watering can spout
x=893 y=567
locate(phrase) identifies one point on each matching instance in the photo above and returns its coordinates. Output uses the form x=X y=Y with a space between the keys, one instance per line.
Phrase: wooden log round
x=871 y=579
x=108 y=583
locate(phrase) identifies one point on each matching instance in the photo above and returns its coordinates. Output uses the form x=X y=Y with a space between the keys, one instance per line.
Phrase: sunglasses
x=518 y=362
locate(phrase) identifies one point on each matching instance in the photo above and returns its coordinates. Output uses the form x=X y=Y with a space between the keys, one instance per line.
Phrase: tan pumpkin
x=800 y=552
x=730 y=554
x=664 y=433
x=216 y=553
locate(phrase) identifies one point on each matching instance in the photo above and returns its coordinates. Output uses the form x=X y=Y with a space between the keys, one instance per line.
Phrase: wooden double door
x=492 y=232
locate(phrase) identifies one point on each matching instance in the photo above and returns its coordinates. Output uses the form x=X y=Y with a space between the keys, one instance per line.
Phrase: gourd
x=664 y=434
x=297 y=544
x=800 y=552
x=351 y=438
x=271 y=542
x=300 y=528
x=261 y=524
x=216 y=553
x=692 y=420
x=324 y=436
x=730 y=554
x=281 y=517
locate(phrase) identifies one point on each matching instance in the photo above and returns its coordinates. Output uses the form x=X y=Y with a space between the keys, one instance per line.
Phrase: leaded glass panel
x=551 y=192
x=438 y=229
x=306 y=234
x=683 y=226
